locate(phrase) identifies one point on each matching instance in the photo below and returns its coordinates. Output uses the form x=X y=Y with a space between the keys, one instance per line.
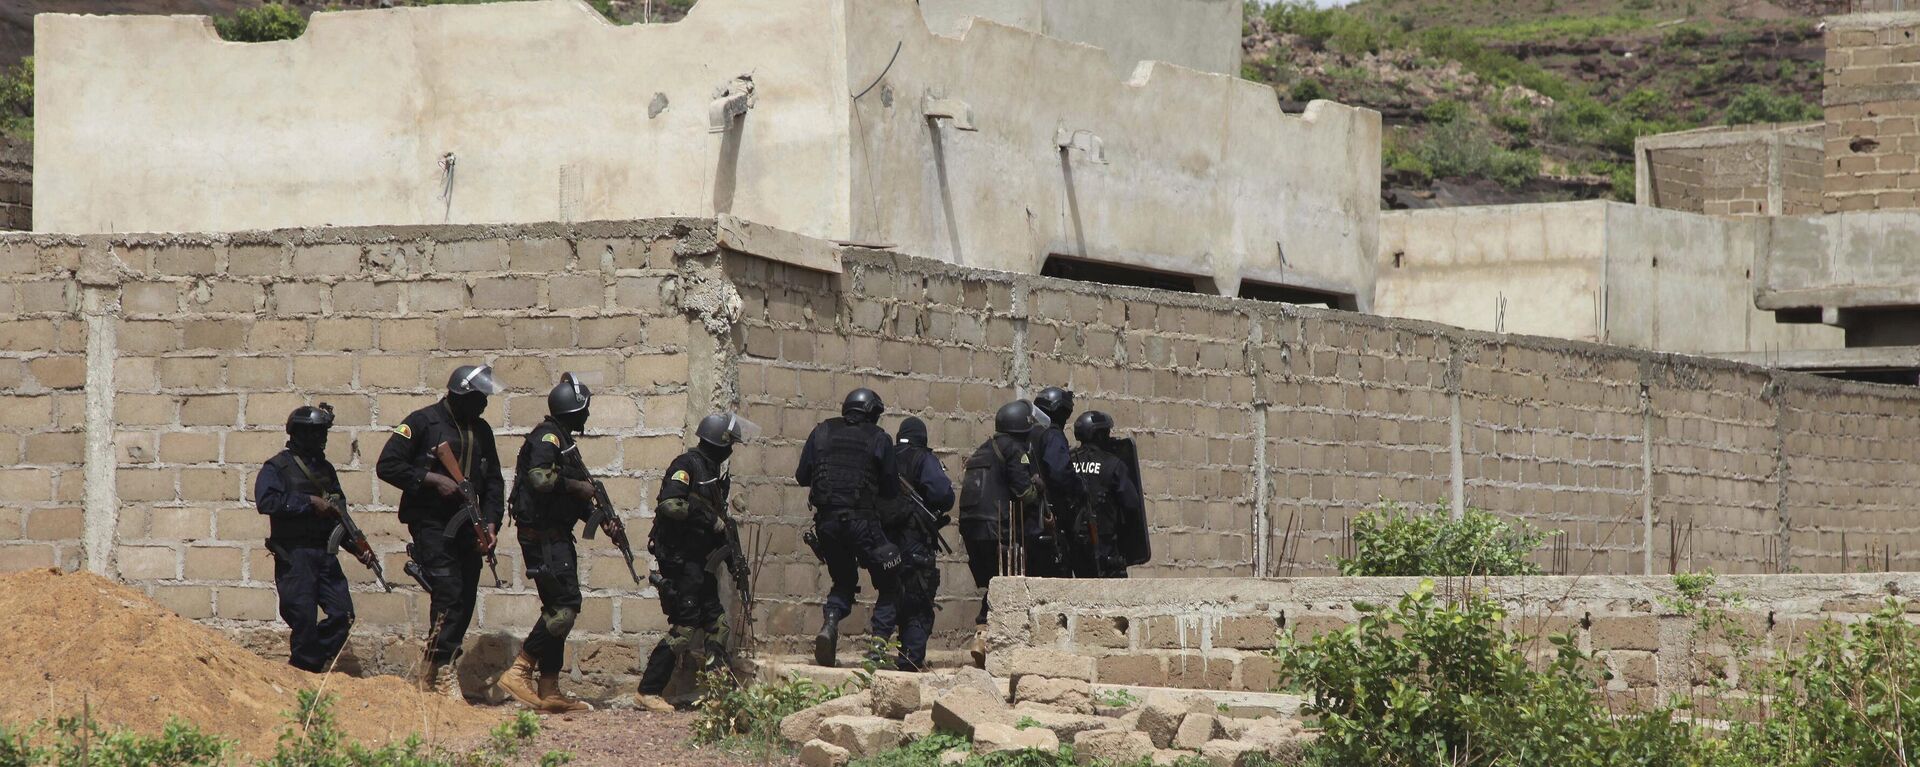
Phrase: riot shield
x=1132 y=538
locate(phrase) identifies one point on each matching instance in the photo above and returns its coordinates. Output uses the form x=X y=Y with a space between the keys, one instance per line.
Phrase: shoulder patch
x=681 y=477
x=404 y=431
x=551 y=439
x=1023 y=457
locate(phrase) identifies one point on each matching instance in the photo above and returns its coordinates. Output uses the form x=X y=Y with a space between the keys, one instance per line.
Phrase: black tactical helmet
x=569 y=397
x=1015 y=417
x=864 y=403
x=467 y=379
x=1056 y=402
x=307 y=415
x=725 y=429
x=1093 y=427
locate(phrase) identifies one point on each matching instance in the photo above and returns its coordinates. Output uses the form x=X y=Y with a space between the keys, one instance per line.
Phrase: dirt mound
x=68 y=639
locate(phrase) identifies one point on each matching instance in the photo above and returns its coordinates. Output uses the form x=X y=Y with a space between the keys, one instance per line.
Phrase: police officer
x=847 y=466
x=1111 y=523
x=447 y=546
x=913 y=524
x=294 y=489
x=689 y=532
x=1053 y=463
x=551 y=491
x=998 y=479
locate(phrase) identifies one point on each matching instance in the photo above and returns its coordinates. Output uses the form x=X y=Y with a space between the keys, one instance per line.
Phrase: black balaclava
x=307 y=442
x=467 y=407
x=912 y=431
x=716 y=453
x=573 y=422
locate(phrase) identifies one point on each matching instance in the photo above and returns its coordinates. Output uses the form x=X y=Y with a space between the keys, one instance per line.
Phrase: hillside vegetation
x=1533 y=100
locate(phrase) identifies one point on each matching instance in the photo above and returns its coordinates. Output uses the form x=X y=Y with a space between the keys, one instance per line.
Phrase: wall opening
x=1286 y=294
x=1067 y=268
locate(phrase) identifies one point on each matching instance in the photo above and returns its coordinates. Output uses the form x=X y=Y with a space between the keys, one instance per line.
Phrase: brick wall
x=1746 y=170
x=1264 y=427
x=1215 y=633
x=1872 y=101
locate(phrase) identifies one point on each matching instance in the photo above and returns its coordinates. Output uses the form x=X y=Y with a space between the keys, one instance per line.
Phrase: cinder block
x=134 y=337
x=336 y=260
x=184 y=259
x=1246 y=632
x=296 y=298
x=26 y=411
x=467 y=333
x=244 y=524
x=654 y=371
x=258 y=372
x=189 y=447
x=541 y=333
x=575 y=291
x=21 y=485
x=349 y=334
x=611 y=333
x=1616 y=633
x=390 y=371
x=246 y=604
x=55 y=447
x=58 y=524
x=17 y=557
x=273 y=336
x=213 y=564
x=190 y=602
x=488 y=255
x=505 y=293
x=216 y=334
x=210 y=410
x=1131 y=669
x=180 y=524
x=150 y=298
x=1200 y=672
x=539 y=254
x=147 y=562
x=210 y=484
x=361 y=296
x=328 y=372
x=509 y=611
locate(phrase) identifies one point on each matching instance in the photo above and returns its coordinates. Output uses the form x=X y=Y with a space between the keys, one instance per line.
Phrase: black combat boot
x=826 y=644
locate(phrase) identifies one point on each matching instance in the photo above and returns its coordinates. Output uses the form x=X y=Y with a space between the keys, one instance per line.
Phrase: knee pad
x=560 y=621
x=885 y=555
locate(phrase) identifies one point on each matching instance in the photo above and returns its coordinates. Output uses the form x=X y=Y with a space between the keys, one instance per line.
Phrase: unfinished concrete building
x=982 y=144
x=1740 y=170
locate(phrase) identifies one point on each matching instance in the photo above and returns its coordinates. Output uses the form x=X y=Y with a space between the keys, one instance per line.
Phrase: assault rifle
x=736 y=554
x=469 y=512
x=603 y=513
x=926 y=520
x=349 y=533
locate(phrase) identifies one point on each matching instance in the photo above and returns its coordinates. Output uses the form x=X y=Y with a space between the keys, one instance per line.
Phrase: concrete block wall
x=1746 y=170
x=150 y=374
x=1872 y=101
x=1216 y=633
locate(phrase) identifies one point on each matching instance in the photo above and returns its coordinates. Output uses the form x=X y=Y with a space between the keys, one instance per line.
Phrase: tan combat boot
x=553 y=701
x=653 y=703
x=978 y=647
x=518 y=681
x=447 y=682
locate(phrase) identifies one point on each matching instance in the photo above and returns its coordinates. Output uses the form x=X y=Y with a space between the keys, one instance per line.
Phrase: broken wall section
x=1215 y=634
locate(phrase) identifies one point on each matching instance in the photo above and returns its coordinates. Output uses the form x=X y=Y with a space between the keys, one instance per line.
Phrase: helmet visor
x=741 y=429
x=479 y=379
x=1041 y=420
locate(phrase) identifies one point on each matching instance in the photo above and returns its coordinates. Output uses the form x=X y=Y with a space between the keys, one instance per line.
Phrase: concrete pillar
x=100 y=303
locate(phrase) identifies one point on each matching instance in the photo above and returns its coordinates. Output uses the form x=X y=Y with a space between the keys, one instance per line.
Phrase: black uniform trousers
x=909 y=605
x=453 y=568
x=553 y=565
x=690 y=596
x=849 y=541
x=310 y=579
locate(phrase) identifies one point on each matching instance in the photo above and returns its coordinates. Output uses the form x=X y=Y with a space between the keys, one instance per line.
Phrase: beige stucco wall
x=1590 y=271
x=1200 y=34
x=154 y=124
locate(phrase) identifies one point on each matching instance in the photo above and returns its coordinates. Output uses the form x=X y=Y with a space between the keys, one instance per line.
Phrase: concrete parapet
x=842 y=121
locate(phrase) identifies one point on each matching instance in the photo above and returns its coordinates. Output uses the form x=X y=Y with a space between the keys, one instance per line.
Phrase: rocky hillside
x=1493 y=101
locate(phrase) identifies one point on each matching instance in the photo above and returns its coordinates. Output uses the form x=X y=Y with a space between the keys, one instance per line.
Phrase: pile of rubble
x=1052 y=703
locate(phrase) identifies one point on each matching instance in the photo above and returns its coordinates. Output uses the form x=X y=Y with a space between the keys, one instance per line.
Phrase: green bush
x=1444 y=111
x=16 y=100
x=1686 y=36
x=269 y=22
x=1308 y=90
x=1756 y=104
x=753 y=712
x=1847 y=698
x=1332 y=27
x=1462 y=149
x=1392 y=541
x=1428 y=683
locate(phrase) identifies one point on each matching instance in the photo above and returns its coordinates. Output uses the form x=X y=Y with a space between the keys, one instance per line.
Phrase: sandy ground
x=609 y=738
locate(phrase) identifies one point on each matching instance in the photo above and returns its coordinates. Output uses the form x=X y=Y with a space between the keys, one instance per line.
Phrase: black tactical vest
x=983 y=489
x=906 y=460
x=1091 y=463
x=548 y=511
x=302 y=529
x=843 y=469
